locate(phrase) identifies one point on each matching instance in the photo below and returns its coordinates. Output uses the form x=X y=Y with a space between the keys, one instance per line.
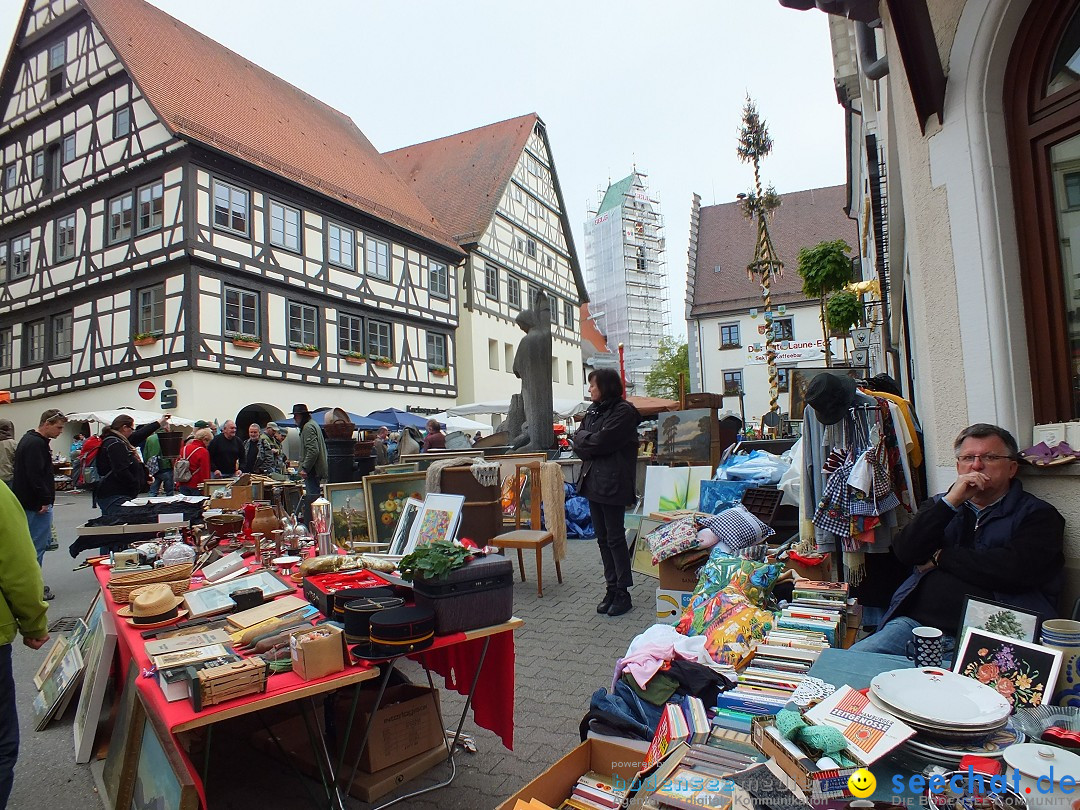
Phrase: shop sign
x=787 y=352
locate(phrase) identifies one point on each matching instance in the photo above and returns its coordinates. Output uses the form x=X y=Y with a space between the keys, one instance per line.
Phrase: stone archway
x=259 y=412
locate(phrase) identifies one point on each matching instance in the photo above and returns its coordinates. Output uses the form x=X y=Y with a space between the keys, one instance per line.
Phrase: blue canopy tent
x=319 y=415
x=397 y=419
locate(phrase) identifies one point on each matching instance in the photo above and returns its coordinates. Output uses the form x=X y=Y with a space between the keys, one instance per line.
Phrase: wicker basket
x=163 y=574
x=122 y=593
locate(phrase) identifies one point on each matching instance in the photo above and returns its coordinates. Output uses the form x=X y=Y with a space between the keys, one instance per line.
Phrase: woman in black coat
x=607 y=443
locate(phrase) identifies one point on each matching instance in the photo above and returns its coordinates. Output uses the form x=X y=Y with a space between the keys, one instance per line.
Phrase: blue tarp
x=319 y=415
x=398 y=419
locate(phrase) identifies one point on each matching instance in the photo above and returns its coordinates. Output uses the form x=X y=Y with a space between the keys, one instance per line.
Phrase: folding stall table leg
x=288 y=761
x=383 y=681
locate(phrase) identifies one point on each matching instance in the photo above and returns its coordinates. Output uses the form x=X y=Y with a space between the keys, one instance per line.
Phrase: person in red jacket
x=199 y=459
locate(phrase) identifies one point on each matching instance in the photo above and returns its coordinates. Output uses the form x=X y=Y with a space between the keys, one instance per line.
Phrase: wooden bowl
x=222 y=525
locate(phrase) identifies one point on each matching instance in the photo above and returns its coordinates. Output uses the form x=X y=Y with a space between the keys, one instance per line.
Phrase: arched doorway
x=258 y=412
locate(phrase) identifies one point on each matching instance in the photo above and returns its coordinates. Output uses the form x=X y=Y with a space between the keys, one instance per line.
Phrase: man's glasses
x=987 y=458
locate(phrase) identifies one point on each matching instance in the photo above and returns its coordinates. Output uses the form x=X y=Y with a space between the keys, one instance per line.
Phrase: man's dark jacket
x=225 y=453
x=1015 y=552
x=33 y=482
x=122 y=473
x=607 y=443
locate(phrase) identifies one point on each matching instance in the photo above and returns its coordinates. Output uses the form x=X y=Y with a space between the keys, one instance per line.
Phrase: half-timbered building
x=173 y=213
x=496 y=191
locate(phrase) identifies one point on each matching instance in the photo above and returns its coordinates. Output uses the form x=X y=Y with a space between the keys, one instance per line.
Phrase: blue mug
x=926 y=647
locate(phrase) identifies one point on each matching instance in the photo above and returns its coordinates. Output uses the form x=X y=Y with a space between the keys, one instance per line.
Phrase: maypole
x=755 y=144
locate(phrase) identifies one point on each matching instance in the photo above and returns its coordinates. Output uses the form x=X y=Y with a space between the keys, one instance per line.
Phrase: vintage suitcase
x=319 y=589
x=478 y=594
x=358 y=613
x=401 y=630
x=481 y=515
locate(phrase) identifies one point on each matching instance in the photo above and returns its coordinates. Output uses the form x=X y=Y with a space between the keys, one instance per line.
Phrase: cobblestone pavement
x=565 y=651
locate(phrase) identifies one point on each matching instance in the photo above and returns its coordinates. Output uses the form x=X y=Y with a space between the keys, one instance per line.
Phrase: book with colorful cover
x=689 y=789
x=671 y=728
x=870 y=732
x=697 y=720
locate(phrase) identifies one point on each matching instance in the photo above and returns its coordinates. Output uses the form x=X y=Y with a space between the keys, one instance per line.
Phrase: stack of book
x=819 y=607
x=691 y=776
x=595 y=791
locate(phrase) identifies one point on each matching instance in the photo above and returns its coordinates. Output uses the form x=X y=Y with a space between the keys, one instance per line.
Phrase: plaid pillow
x=737 y=528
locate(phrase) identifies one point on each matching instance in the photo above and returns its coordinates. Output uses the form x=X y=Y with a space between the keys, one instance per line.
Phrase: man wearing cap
x=271 y=458
x=33 y=482
x=313 y=467
x=984 y=537
x=22 y=611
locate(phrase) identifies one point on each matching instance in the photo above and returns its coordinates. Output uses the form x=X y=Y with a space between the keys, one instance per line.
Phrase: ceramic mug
x=926 y=647
x=1064 y=635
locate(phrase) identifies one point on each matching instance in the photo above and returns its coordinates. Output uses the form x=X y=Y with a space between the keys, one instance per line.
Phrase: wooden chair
x=534 y=537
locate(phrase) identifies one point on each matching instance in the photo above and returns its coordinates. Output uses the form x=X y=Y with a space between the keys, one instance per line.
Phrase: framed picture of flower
x=386 y=496
x=1022 y=672
x=994 y=617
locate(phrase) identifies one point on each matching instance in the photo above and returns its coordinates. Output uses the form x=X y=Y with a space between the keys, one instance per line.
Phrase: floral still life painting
x=1023 y=673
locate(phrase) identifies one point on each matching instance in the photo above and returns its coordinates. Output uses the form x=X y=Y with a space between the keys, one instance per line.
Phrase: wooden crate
x=216 y=685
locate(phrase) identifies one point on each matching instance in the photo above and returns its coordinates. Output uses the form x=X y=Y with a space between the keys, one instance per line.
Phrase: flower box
x=145 y=340
x=439 y=372
x=383 y=363
x=356 y=361
x=307 y=352
x=246 y=344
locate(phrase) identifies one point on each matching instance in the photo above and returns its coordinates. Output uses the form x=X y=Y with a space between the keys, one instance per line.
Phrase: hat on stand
x=153 y=605
x=830 y=395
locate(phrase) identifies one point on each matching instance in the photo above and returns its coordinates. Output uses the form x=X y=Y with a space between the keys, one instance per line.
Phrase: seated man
x=985 y=537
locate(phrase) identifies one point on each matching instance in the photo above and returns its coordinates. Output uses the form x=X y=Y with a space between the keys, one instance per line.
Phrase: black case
x=478 y=594
x=401 y=630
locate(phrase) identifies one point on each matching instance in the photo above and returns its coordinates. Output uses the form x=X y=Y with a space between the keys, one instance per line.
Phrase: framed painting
x=641 y=561
x=438 y=520
x=212 y=488
x=403 y=530
x=211 y=599
x=800 y=378
x=386 y=496
x=685 y=437
x=1024 y=673
x=669 y=489
x=118 y=774
x=507 y=469
x=101 y=645
x=56 y=654
x=390 y=469
x=161 y=776
x=425 y=460
x=57 y=689
x=348 y=508
x=994 y=617
x=93 y=615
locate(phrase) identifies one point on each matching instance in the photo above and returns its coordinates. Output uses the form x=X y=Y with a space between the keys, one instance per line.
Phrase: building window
x=68 y=148
x=350 y=334
x=65 y=237
x=34 y=342
x=241 y=312
x=151 y=206
x=1072 y=190
x=230 y=208
x=151 y=315
x=438 y=279
x=380 y=340
x=54 y=169
x=38 y=159
x=491 y=281
x=5 y=348
x=534 y=293
x=57 y=58
x=733 y=382
x=568 y=314
x=61 y=336
x=569 y=371
x=121 y=123
x=378 y=259
x=11 y=177
x=508 y=356
x=341 y=242
x=3 y=261
x=303 y=325
x=729 y=336
x=436 y=350
x=285 y=226
x=530 y=247
x=783 y=379
x=493 y=354
x=783 y=329
x=554 y=369
x=640 y=258
x=553 y=306
x=513 y=291
x=120 y=218
x=20 y=256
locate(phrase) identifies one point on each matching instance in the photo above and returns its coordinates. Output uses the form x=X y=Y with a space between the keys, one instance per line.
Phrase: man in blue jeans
x=33 y=482
x=985 y=537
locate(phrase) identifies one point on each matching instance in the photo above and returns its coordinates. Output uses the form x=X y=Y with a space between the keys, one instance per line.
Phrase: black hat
x=830 y=395
x=300 y=409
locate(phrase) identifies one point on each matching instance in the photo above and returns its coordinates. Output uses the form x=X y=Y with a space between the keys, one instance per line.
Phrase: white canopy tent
x=563 y=408
x=140 y=417
x=461 y=423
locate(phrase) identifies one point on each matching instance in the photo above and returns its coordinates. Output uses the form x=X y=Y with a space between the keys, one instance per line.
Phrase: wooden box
x=212 y=686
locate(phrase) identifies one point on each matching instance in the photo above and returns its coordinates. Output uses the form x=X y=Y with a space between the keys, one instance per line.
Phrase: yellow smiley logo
x=862 y=783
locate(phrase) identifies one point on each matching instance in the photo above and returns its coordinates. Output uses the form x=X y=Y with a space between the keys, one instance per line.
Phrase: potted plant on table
x=307 y=350
x=246 y=341
x=356 y=358
x=144 y=339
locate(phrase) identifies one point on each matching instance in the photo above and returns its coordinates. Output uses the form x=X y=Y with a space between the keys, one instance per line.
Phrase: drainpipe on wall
x=872 y=66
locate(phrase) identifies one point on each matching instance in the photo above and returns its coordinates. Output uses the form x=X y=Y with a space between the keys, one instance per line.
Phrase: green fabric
x=824 y=739
x=657 y=691
x=153 y=448
x=21 y=587
x=313 y=450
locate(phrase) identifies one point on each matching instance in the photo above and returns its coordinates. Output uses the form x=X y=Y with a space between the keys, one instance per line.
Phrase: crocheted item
x=824 y=739
x=486 y=473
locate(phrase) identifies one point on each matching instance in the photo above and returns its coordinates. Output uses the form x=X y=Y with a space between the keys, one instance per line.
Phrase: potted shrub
x=246 y=341
x=145 y=339
x=843 y=311
x=382 y=362
x=356 y=358
x=439 y=371
x=306 y=350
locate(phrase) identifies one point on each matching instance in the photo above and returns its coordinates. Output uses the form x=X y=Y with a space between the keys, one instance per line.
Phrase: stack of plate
x=952 y=715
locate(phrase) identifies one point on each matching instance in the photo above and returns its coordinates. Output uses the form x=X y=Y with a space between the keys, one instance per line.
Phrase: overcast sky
x=659 y=85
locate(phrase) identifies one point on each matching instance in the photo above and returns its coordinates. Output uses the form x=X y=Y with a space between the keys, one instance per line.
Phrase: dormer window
x=57 y=58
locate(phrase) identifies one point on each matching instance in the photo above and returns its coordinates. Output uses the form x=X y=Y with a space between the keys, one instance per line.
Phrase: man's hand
x=966 y=487
x=303 y=474
x=43 y=509
x=36 y=643
x=216 y=474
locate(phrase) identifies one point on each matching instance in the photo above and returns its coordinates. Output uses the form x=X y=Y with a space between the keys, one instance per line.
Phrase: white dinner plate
x=943 y=697
x=936 y=727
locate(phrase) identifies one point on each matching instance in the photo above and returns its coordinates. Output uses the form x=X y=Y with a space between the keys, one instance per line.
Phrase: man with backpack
x=122 y=472
x=158 y=466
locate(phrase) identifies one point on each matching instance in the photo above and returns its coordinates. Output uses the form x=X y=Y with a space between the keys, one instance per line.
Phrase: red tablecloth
x=454 y=657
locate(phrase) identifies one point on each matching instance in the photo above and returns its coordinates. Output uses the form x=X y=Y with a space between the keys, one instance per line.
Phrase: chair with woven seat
x=534 y=537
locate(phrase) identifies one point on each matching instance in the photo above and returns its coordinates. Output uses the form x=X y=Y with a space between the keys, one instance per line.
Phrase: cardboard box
x=555 y=784
x=409 y=722
x=367 y=787
x=318 y=651
x=673 y=578
x=814 y=783
x=239 y=495
x=670 y=605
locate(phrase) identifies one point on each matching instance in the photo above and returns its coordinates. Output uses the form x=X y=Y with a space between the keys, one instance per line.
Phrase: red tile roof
x=461 y=177
x=205 y=92
x=590 y=334
x=726 y=241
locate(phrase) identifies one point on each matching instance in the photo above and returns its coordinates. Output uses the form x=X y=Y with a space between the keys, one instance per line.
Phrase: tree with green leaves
x=663 y=379
x=825 y=268
x=1004 y=623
